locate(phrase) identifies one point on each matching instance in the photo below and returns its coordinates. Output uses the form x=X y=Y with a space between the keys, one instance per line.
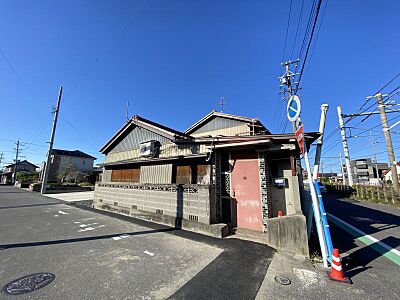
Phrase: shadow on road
x=359 y=260
x=31 y=205
x=366 y=219
x=82 y=239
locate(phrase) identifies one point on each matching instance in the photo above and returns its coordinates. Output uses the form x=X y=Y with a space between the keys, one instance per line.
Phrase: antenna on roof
x=127 y=111
x=222 y=103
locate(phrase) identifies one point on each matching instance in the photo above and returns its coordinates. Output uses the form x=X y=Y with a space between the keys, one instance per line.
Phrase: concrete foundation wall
x=190 y=202
x=288 y=233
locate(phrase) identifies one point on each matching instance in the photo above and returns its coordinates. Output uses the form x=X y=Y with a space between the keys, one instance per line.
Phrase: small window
x=84 y=162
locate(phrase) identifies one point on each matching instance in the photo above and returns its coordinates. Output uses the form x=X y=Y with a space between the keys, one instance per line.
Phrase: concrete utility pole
x=16 y=162
x=53 y=132
x=341 y=168
x=286 y=79
x=345 y=147
x=324 y=110
x=389 y=145
x=373 y=142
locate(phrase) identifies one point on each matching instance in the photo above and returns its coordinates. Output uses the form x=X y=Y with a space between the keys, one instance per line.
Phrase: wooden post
x=393 y=195
x=385 y=193
x=378 y=194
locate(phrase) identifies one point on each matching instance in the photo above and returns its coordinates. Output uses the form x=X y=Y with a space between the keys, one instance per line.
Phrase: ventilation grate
x=193 y=218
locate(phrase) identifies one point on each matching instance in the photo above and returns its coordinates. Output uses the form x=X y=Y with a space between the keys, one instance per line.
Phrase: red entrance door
x=246 y=190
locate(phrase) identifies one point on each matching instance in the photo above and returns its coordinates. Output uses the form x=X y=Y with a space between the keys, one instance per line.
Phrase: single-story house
x=224 y=172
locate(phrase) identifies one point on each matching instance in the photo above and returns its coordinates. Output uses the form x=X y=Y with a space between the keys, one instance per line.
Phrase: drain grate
x=27 y=284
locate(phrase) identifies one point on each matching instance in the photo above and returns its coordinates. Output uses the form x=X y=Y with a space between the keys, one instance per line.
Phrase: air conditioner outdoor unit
x=148 y=149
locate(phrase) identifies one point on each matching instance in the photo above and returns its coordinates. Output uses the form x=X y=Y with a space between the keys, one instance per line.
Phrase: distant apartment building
x=366 y=171
x=66 y=161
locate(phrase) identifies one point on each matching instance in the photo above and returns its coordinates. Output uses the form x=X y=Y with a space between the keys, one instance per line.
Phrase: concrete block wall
x=190 y=202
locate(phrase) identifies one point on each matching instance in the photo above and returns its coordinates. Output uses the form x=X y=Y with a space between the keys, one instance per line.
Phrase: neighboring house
x=6 y=177
x=224 y=171
x=366 y=171
x=63 y=162
x=387 y=175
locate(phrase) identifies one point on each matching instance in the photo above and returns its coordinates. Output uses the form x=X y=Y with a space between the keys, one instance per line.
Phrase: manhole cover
x=282 y=280
x=27 y=284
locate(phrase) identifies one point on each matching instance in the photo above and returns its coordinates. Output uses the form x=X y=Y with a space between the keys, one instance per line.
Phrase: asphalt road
x=98 y=255
x=371 y=252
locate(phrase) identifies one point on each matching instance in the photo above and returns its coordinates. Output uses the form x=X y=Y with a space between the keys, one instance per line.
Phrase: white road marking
x=63 y=212
x=149 y=253
x=83 y=225
x=117 y=238
x=56 y=215
x=77 y=222
x=86 y=229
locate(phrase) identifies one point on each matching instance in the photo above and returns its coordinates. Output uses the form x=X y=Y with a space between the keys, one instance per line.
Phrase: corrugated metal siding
x=166 y=150
x=242 y=129
x=218 y=123
x=135 y=137
x=157 y=174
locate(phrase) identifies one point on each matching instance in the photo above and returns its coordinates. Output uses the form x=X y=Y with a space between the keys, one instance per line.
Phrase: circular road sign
x=293 y=108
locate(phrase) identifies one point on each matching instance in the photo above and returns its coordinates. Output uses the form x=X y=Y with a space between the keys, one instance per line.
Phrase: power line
x=316 y=37
x=359 y=110
x=298 y=27
x=287 y=30
x=309 y=42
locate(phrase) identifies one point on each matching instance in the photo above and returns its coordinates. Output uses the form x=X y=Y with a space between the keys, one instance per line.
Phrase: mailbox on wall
x=280 y=182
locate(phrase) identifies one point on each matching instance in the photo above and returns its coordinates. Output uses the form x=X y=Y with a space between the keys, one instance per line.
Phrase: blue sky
x=173 y=60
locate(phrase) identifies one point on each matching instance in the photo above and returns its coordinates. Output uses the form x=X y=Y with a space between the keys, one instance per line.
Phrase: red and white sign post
x=300 y=138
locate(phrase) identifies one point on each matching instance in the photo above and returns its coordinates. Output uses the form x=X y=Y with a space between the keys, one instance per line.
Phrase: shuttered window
x=183 y=174
x=126 y=175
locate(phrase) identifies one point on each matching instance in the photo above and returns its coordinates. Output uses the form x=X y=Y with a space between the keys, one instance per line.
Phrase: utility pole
x=322 y=169
x=127 y=111
x=16 y=162
x=53 y=132
x=345 y=146
x=286 y=80
x=222 y=103
x=373 y=142
x=388 y=140
x=341 y=168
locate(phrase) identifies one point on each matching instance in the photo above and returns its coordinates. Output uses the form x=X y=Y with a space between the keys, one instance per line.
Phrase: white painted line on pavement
x=56 y=216
x=149 y=253
x=63 y=212
x=120 y=237
x=86 y=229
x=385 y=250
